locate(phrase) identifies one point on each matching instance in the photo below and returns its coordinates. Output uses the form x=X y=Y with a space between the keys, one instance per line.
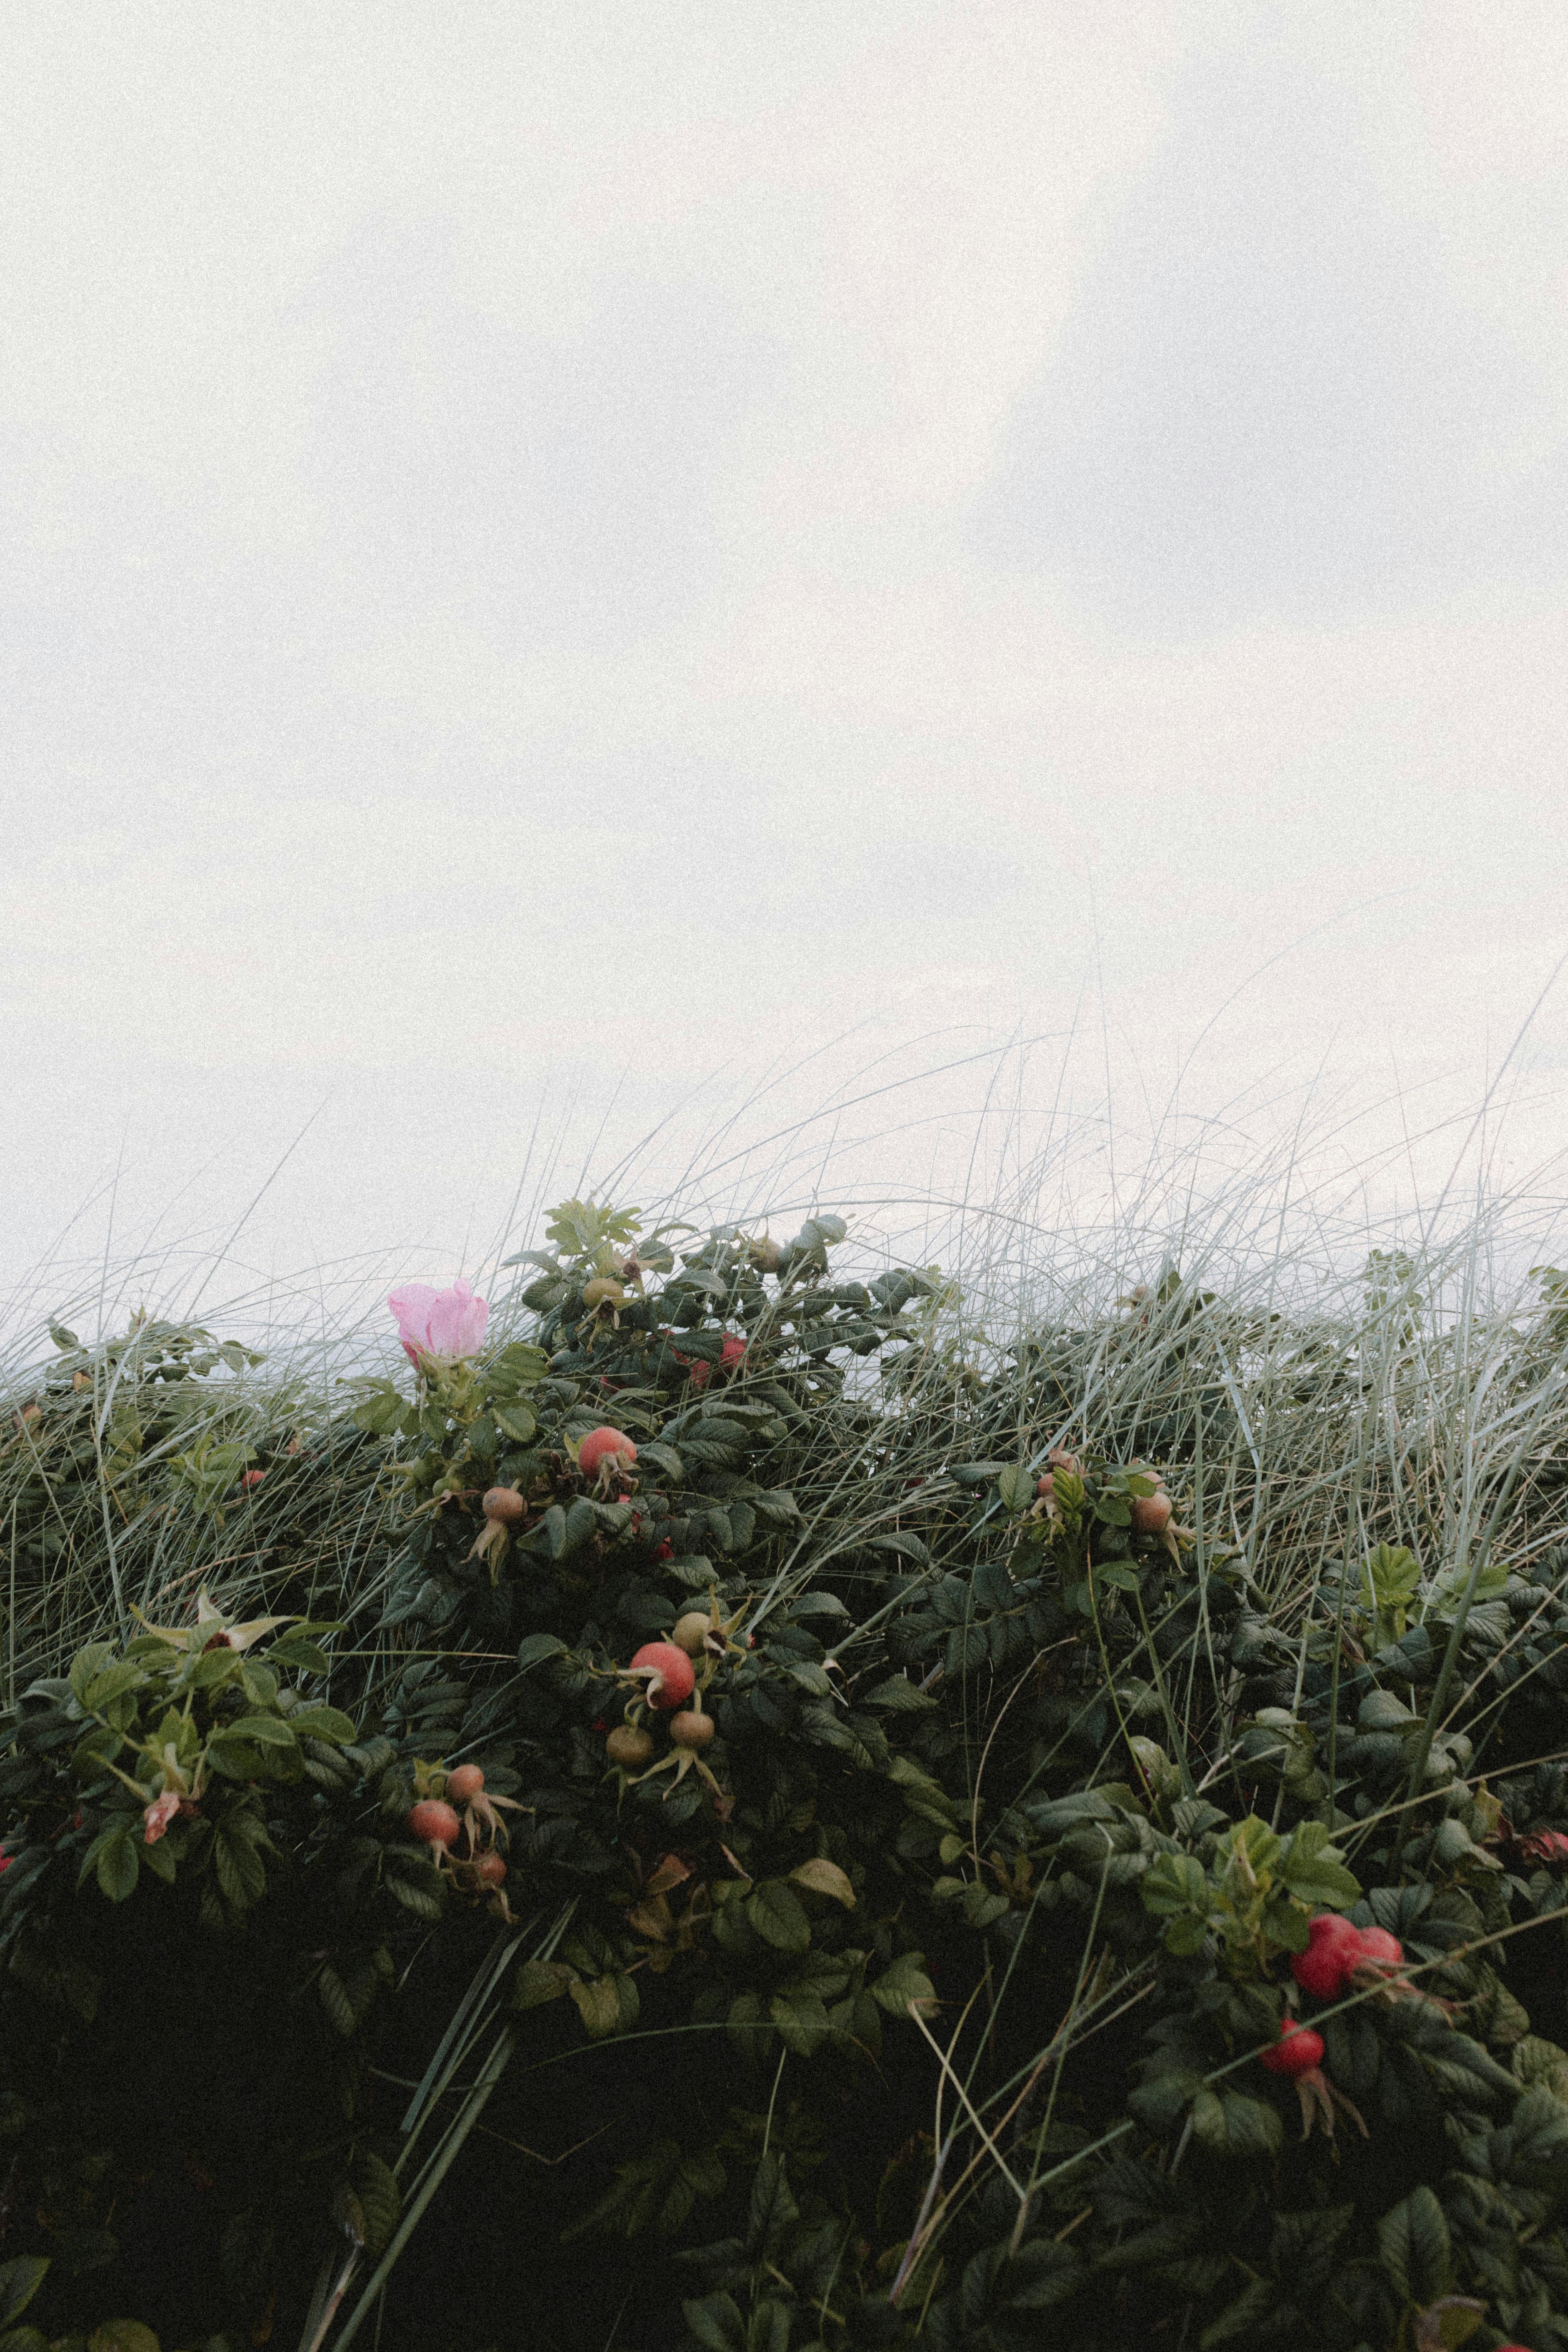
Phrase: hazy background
x=563 y=561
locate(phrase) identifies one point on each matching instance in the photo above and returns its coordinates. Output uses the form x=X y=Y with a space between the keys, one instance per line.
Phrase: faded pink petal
x=448 y=1323
x=159 y=1815
x=412 y=1305
x=458 y=1321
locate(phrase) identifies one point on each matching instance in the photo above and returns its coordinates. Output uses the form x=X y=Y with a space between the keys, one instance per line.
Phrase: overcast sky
x=558 y=556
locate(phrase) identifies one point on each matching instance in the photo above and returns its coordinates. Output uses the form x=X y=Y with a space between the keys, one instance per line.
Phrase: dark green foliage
x=922 y=2004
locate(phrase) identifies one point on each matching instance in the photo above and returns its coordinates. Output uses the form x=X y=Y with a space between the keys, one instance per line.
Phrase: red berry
x=464 y=1785
x=602 y=1446
x=1045 y=1486
x=491 y=1869
x=252 y=1479
x=504 y=1504
x=1296 y=2053
x=1151 y=1514
x=433 y=1823
x=1333 y=1947
x=1379 y=1945
x=730 y=1355
x=674 y=1678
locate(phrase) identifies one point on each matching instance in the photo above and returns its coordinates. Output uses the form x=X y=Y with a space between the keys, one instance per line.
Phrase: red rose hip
x=1333 y=1947
x=433 y=1823
x=464 y=1785
x=603 y=1448
x=673 y=1677
x=1297 y=2051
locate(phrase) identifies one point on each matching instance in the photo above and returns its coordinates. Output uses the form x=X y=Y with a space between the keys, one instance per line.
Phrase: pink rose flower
x=159 y=1815
x=447 y=1323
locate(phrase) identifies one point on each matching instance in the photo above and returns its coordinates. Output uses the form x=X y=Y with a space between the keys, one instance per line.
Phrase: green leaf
x=110 y=1683
x=19 y=2283
x=1175 y=1882
x=773 y=2210
x=1239 y=2321
x=775 y=1910
x=1413 y=2245
x=381 y=2200
x=1392 y=1575
x=824 y=1877
x=378 y=1412
x=1252 y=2126
x=86 y=1665
x=798 y=2011
x=716 y=2324
x=322 y=1723
x=158 y=1859
x=241 y=1873
x=538 y=1981
x=208 y=1668
x=416 y=1882
x=900 y=1695
x=334 y=2000
x=1016 y=1487
x=114 y=1857
x=514 y=1420
x=1208 y=2122
x=598 y=2005
x=270 y=1730
x=533 y=1647
x=905 y=1981
x=1124 y=1579
x=298 y=1656
x=1315 y=1870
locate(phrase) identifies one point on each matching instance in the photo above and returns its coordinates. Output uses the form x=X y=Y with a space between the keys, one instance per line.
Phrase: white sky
x=553 y=551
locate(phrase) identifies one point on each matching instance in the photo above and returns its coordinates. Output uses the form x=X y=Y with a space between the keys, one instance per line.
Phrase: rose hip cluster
x=465 y=1843
x=1340 y=1954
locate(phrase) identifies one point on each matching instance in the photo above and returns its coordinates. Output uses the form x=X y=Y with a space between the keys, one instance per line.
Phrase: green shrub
x=923 y=1998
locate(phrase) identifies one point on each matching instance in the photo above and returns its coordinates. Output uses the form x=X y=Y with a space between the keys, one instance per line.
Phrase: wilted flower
x=214 y=1631
x=446 y=1323
x=159 y=1815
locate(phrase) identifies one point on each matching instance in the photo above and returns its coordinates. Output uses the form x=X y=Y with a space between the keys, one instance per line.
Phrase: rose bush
x=872 y=1874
